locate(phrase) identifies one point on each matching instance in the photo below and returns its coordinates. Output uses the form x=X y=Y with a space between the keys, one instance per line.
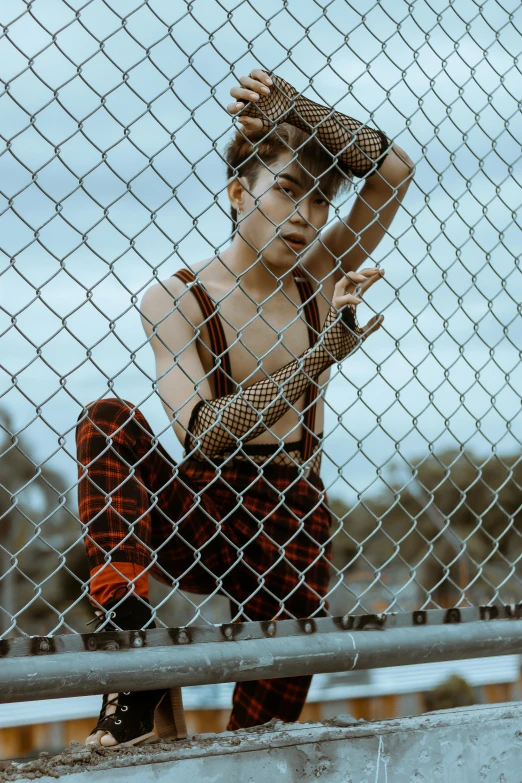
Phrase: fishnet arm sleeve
x=216 y=425
x=357 y=147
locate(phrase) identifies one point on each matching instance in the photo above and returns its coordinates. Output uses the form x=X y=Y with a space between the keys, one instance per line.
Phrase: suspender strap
x=311 y=312
x=219 y=348
x=218 y=343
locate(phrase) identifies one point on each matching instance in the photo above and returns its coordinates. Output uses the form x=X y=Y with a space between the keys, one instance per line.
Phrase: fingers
x=233 y=108
x=255 y=85
x=361 y=281
x=341 y=301
x=373 y=324
x=244 y=94
x=250 y=124
x=251 y=87
x=261 y=76
x=353 y=280
x=366 y=277
x=372 y=276
x=249 y=90
x=341 y=290
x=358 y=282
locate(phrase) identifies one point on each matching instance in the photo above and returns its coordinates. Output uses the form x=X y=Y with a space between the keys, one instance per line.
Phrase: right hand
x=340 y=340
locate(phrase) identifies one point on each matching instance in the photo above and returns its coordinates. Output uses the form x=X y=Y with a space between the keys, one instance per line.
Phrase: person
x=243 y=343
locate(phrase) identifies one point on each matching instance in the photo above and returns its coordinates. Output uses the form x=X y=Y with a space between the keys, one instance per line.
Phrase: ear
x=236 y=192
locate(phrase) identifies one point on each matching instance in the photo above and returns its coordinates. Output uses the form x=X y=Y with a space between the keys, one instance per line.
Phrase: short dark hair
x=245 y=156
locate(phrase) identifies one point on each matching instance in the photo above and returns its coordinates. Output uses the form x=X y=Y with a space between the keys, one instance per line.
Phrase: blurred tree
x=451 y=521
x=39 y=553
x=454 y=692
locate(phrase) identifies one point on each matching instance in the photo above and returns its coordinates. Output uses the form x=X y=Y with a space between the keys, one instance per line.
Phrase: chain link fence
x=112 y=177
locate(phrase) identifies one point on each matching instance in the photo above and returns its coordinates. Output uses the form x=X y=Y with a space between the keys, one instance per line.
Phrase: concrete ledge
x=481 y=743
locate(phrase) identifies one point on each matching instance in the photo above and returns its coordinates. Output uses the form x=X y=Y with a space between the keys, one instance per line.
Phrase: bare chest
x=260 y=339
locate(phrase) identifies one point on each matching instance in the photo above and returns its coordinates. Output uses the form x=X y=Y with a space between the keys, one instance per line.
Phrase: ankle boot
x=142 y=716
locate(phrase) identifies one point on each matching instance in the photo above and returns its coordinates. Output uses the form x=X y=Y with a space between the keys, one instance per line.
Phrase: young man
x=243 y=345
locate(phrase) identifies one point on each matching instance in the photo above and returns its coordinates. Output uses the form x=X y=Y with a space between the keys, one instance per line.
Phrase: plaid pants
x=262 y=540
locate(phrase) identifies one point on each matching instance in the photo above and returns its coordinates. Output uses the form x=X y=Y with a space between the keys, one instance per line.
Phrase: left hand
x=251 y=89
x=346 y=297
x=273 y=95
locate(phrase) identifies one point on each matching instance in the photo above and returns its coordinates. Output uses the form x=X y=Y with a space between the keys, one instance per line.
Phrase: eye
x=322 y=202
x=287 y=191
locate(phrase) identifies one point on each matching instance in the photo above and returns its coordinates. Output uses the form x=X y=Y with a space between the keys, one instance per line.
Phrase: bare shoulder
x=167 y=299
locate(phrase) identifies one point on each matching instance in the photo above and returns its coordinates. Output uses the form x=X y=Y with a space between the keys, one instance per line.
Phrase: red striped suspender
x=218 y=343
x=311 y=312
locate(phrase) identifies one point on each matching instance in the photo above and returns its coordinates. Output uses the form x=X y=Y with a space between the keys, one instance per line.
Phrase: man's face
x=291 y=210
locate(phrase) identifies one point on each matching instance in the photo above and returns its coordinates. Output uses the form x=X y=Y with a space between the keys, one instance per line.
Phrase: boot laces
x=116 y=703
x=100 y=619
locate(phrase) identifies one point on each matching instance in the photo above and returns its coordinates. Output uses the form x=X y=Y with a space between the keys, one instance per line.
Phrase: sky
x=112 y=125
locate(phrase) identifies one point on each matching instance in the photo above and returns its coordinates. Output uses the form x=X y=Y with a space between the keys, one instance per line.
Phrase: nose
x=301 y=215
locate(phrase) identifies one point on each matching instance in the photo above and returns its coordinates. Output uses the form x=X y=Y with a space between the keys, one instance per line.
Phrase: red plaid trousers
x=263 y=540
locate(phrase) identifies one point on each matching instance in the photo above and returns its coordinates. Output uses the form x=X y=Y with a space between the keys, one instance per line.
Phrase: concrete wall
x=475 y=744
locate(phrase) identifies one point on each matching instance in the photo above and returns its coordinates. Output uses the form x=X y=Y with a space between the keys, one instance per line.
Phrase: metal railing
x=113 y=125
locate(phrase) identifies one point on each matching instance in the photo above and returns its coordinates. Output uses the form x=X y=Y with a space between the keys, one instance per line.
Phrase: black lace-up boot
x=142 y=716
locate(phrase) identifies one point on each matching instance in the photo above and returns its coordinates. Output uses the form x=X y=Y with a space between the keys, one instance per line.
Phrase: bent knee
x=106 y=413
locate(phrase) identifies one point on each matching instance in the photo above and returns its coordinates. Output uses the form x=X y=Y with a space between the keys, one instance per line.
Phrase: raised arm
x=358 y=148
x=263 y=101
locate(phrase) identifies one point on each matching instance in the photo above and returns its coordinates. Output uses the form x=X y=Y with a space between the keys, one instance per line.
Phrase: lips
x=294 y=239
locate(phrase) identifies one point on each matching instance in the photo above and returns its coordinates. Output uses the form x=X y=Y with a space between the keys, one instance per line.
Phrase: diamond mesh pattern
x=112 y=129
x=219 y=424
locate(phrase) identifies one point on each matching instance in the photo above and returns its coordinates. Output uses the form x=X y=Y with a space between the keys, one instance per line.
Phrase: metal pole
x=79 y=674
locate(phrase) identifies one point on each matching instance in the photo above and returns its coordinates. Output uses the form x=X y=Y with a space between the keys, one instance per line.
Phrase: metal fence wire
x=113 y=177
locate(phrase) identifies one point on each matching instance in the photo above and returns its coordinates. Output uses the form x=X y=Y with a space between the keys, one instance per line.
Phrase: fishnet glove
x=216 y=425
x=356 y=146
